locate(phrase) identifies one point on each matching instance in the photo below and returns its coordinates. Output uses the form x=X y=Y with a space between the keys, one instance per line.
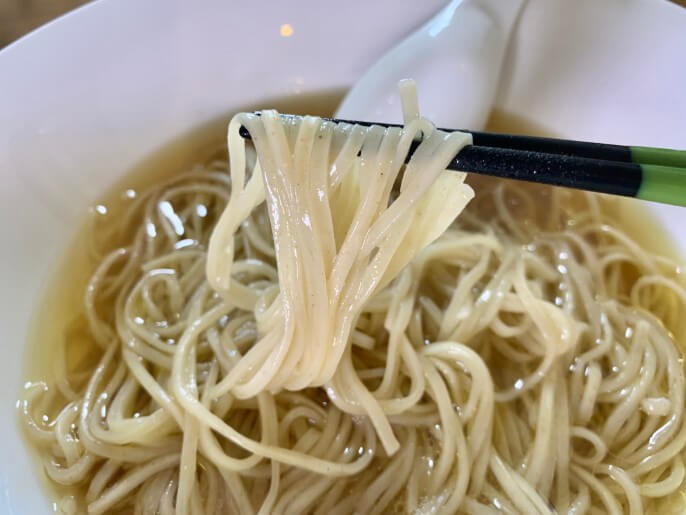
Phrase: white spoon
x=455 y=59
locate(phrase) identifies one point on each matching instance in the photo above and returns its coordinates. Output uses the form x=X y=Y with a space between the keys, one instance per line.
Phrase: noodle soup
x=528 y=358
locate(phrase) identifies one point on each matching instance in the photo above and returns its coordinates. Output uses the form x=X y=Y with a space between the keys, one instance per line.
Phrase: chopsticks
x=656 y=174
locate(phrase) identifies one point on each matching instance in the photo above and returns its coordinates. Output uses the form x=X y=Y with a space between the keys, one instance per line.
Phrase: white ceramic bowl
x=87 y=97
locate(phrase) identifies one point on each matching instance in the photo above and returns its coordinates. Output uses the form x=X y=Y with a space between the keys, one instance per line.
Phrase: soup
x=527 y=359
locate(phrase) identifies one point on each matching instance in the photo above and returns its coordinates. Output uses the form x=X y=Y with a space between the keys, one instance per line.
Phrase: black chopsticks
x=656 y=174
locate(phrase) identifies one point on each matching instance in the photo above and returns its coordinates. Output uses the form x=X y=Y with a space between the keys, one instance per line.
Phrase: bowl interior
x=91 y=95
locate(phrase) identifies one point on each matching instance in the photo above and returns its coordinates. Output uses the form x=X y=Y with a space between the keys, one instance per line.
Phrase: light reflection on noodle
x=524 y=361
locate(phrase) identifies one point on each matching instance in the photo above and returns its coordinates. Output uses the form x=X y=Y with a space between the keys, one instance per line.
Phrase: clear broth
x=62 y=300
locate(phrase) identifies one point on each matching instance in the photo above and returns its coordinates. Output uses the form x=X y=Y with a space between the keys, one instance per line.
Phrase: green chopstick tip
x=664 y=184
x=658 y=156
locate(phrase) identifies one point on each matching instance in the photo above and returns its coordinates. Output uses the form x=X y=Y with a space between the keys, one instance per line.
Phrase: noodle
x=318 y=332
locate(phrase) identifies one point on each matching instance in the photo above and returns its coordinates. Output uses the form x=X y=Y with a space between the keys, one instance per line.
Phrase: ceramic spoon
x=455 y=58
